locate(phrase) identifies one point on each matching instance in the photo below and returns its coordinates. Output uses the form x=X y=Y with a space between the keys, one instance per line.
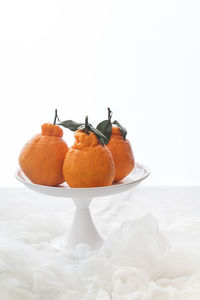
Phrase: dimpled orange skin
x=42 y=157
x=122 y=154
x=88 y=163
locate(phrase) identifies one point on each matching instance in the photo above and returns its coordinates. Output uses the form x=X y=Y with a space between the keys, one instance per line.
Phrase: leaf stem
x=56 y=117
x=109 y=114
x=86 y=124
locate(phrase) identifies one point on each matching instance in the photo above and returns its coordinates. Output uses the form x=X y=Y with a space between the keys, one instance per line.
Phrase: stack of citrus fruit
x=99 y=156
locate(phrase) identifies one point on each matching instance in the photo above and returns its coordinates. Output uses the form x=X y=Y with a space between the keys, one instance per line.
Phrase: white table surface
x=152 y=248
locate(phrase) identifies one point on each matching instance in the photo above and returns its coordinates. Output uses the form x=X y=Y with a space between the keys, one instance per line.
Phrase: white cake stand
x=83 y=230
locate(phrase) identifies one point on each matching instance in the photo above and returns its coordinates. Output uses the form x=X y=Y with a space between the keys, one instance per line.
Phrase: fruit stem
x=86 y=124
x=56 y=116
x=109 y=114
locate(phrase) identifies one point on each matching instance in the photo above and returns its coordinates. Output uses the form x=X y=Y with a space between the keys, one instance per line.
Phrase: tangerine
x=88 y=163
x=41 y=159
x=119 y=146
x=122 y=154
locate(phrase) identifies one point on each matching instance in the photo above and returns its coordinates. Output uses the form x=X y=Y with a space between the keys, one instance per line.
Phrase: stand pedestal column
x=83 y=230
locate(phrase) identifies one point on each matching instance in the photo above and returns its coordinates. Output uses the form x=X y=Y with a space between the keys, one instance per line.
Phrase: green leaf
x=101 y=137
x=73 y=126
x=105 y=127
x=81 y=127
x=122 y=129
x=102 y=141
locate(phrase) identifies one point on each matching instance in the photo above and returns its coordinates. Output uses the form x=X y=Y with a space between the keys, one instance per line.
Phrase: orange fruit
x=119 y=146
x=88 y=163
x=122 y=154
x=41 y=159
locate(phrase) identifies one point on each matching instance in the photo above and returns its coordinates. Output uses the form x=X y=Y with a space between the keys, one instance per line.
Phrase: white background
x=141 y=58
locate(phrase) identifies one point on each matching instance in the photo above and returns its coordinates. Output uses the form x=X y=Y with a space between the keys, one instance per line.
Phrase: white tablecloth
x=152 y=248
